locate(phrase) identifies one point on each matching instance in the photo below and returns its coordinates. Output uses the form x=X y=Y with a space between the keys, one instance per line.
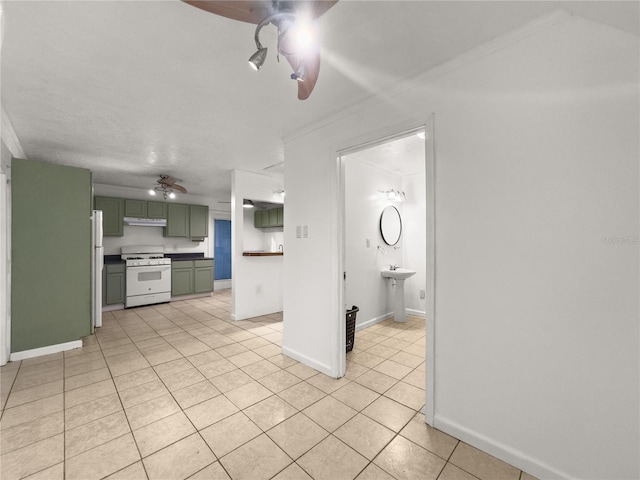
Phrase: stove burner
x=158 y=256
x=134 y=258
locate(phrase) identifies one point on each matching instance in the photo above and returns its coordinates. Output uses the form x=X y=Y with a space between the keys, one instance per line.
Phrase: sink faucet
x=281 y=248
x=393 y=267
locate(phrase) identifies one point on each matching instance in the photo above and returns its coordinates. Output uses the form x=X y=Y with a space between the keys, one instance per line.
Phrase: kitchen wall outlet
x=298 y=231
x=305 y=231
x=368 y=243
x=258 y=289
x=423 y=294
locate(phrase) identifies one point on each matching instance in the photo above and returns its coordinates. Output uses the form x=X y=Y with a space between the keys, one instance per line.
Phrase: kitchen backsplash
x=153 y=236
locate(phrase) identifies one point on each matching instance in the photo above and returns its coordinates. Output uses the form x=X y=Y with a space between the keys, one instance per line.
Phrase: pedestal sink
x=399 y=275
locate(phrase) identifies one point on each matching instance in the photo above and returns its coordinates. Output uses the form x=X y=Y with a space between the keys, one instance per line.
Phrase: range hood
x=145 y=222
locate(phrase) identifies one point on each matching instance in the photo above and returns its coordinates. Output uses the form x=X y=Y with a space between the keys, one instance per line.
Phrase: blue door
x=222 y=249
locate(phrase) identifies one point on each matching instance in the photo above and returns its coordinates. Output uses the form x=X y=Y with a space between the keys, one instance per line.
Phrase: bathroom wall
x=365 y=286
x=414 y=240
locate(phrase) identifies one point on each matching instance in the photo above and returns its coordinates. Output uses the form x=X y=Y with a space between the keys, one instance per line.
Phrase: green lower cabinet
x=203 y=276
x=189 y=276
x=181 y=278
x=113 y=284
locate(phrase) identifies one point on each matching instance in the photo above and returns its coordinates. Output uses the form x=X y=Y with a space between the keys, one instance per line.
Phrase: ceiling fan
x=297 y=39
x=167 y=186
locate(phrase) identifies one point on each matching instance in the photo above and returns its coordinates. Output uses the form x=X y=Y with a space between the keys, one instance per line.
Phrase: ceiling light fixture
x=292 y=26
x=165 y=190
x=247 y=203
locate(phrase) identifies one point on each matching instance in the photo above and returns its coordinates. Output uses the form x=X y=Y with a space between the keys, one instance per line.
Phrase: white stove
x=148 y=275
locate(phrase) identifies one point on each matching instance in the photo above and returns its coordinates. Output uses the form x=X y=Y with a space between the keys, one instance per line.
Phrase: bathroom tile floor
x=179 y=391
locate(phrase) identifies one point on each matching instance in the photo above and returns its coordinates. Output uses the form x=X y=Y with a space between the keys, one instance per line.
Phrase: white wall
x=257 y=284
x=365 y=286
x=134 y=235
x=537 y=336
x=414 y=240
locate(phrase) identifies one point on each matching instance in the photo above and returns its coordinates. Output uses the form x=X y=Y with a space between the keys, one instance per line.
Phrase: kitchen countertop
x=115 y=259
x=262 y=254
x=112 y=259
x=187 y=256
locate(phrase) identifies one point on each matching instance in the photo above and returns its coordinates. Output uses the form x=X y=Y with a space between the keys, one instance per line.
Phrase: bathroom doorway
x=389 y=174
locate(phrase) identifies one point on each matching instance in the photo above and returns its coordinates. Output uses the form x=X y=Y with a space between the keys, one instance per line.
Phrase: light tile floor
x=179 y=391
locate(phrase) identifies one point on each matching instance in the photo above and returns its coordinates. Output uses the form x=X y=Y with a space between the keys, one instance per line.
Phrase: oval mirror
x=390 y=225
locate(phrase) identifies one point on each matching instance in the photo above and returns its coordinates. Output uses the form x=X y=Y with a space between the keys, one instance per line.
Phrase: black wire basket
x=351 y=327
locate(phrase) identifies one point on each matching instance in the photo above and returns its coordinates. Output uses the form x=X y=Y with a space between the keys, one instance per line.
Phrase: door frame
x=430 y=321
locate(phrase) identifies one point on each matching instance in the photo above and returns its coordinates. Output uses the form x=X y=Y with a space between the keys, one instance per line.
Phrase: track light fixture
x=257 y=59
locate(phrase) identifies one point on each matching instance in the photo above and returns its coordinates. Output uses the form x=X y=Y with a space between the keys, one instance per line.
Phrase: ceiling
x=133 y=89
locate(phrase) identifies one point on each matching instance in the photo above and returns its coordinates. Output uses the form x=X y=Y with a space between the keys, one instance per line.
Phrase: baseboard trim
x=416 y=313
x=505 y=453
x=373 y=321
x=191 y=296
x=309 y=362
x=111 y=308
x=221 y=285
x=38 y=352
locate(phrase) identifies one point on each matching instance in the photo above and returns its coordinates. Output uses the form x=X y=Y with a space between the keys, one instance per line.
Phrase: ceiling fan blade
x=307 y=63
x=319 y=7
x=166 y=180
x=250 y=11
x=179 y=188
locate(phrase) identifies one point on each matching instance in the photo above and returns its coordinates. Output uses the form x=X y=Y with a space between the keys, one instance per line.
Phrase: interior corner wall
x=257 y=282
x=537 y=225
x=365 y=286
x=414 y=240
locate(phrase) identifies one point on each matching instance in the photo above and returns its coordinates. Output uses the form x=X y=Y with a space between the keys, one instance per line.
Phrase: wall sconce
x=393 y=195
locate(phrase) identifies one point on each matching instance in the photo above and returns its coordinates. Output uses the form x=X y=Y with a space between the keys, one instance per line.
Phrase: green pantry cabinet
x=273 y=217
x=191 y=276
x=191 y=221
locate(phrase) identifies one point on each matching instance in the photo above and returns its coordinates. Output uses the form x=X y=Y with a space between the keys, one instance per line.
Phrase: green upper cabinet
x=112 y=214
x=280 y=216
x=198 y=221
x=177 y=220
x=274 y=217
x=257 y=218
x=156 y=210
x=135 y=208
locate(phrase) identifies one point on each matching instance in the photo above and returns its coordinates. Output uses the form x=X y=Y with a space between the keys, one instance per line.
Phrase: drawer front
x=114 y=267
x=181 y=264
x=203 y=263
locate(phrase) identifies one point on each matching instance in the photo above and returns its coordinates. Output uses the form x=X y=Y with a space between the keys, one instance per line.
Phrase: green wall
x=50 y=254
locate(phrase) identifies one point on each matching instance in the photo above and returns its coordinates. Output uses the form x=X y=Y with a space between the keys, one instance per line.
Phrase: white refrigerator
x=97 y=264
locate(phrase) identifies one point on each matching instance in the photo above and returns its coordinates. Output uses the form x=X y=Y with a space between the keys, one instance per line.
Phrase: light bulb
x=172 y=195
x=152 y=192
